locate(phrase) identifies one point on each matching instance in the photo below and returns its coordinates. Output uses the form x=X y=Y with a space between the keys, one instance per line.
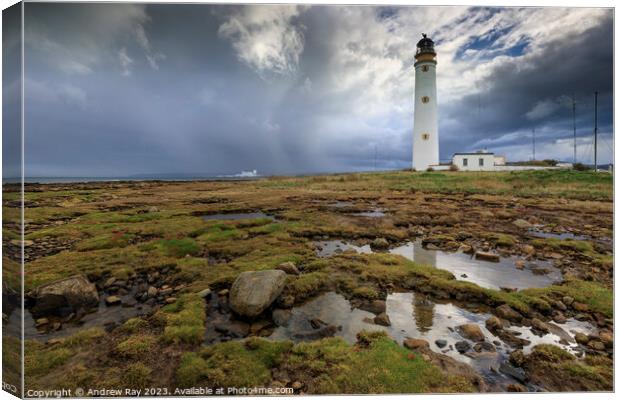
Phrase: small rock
x=112 y=300
x=441 y=343
x=297 y=385
x=529 y=249
x=484 y=347
x=415 y=344
x=581 y=307
x=540 y=325
x=289 y=267
x=486 y=256
x=465 y=248
x=607 y=338
x=42 y=321
x=581 y=338
x=567 y=300
x=521 y=223
x=153 y=209
x=375 y=306
x=493 y=323
x=382 y=319
x=109 y=282
x=128 y=301
x=380 y=244
x=559 y=317
x=258 y=326
x=223 y=292
x=205 y=293
x=517 y=357
x=516 y=373
x=472 y=331
x=152 y=291
x=462 y=346
x=519 y=264
x=170 y=300
x=596 y=345
x=515 y=387
x=506 y=312
x=280 y=316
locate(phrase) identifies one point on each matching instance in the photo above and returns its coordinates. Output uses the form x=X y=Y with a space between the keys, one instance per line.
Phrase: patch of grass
x=232 y=364
x=378 y=366
x=365 y=292
x=306 y=285
x=136 y=345
x=179 y=247
x=105 y=241
x=185 y=320
x=137 y=376
x=134 y=325
x=597 y=297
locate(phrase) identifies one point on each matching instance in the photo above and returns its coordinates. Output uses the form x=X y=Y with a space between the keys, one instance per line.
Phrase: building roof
x=473 y=154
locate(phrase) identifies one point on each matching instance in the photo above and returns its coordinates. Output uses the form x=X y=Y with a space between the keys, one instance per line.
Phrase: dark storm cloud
x=120 y=89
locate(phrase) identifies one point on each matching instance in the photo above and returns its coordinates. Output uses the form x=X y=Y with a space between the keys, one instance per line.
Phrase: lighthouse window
x=464 y=162
x=424 y=68
x=425 y=99
x=425 y=136
x=481 y=162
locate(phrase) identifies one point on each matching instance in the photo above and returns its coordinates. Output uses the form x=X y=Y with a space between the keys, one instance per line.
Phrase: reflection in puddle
x=331 y=247
x=561 y=236
x=370 y=214
x=235 y=216
x=492 y=275
x=102 y=317
x=415 y=316
x=341 y=204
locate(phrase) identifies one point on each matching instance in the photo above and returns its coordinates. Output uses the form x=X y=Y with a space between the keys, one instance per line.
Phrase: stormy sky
x=120 y=89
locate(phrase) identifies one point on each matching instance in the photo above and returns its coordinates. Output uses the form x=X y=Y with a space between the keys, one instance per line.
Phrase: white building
x=479 y=161
x=425 y=134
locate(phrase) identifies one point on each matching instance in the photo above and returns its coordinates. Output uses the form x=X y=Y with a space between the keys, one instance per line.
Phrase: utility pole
x=574 y=133
x=533 y=144
x=595 y=130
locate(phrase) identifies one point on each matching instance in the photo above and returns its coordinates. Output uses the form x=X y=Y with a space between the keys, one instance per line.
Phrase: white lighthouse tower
x=425 y=134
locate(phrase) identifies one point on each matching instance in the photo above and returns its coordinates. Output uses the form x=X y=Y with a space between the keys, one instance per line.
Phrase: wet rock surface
x=254 y=291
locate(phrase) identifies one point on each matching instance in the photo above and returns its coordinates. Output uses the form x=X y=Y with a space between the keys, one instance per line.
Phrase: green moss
x=597 y=297
x=136 y=345
x=552 y=353
x=232 y=364
x=105 y=241
x=306 y=285
x=134 y=325
x=137 y=376
x=502 y=240
x=185 y=320
x=179 y=247
x=365 y=292
x=39 y=361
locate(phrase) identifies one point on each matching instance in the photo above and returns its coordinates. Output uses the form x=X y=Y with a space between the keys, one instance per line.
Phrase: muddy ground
x=358 y=249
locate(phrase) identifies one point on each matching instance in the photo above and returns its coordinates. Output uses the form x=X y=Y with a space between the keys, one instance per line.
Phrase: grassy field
x=121 y=229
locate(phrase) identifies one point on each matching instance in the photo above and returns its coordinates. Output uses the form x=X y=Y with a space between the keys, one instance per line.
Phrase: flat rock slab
x=254 y=291
x=76 y=292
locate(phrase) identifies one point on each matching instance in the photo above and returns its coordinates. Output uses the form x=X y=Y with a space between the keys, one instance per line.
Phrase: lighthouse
x=425 y=134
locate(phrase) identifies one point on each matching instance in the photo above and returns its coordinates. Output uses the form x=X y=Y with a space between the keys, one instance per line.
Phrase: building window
x=425 y=99
x=424 y=68
x=464 y=162
x=425 y=136
x=481 y=162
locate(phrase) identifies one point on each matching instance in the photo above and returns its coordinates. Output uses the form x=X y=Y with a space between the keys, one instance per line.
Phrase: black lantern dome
x=425 y=45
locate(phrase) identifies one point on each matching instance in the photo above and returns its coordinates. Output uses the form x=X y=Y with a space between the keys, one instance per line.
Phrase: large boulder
x=75 y=293
x=254 y=291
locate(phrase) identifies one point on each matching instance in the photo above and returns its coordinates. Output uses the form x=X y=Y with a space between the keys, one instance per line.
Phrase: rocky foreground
x=223 y=284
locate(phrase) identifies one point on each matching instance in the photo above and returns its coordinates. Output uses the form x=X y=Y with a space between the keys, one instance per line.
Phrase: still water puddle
x=492 y=275
x=377 y=213
x=415 y=316
x=236 y=216
x=554 y=235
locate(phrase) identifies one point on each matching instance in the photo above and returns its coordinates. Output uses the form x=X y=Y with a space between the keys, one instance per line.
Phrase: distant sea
x=84 y=179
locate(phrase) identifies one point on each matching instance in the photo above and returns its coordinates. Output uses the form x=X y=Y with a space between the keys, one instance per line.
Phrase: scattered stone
x=493 y=323
x=580 y=307
x=581 y=338
x=521 y=223
x=205 y=293
x=112 y=300
x=109 y=282
x=382 y=319
x=560 y=305
x=254 y=291
x=465 y=248
x=484 y=347
x=516 y=373
x=128 y=301
x=607 y=338
x=375 y=306
x=515 y=387
x=462 y=346
x=297 y=385
x=558 y=317
x=223 y=292
x=76 y=292
x=506 y=312
x=380 y=244
x=236 y=329
x=280 y=316
x=289 y=267
x=517 y=357
x=567 y=300
x=42 y=322
x=529 y=249
x=596 y=345
x=486 y=256
x=56 y=326
x=441 y=343
x=415 y=344
x=170 y=300
x=472 y=331
x=152 y=291
x=539 y=325
x=153 y=209
x=316 y=323
x=519 y=264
